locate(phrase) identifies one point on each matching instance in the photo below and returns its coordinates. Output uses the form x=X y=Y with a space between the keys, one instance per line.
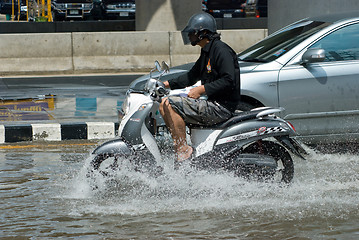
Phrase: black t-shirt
x=218 y=70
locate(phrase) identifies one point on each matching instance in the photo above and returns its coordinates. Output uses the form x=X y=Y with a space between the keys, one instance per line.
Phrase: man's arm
x=187 y=79
x=196 y=92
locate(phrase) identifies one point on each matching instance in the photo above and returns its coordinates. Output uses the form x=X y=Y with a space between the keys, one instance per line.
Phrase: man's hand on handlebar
x=196 y=92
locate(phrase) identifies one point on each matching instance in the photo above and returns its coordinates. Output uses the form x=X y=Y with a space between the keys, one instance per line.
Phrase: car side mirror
x=313 y=55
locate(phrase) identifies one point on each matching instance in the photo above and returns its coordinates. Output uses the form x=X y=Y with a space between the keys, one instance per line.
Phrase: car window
x=341 y=45
x=281 y=42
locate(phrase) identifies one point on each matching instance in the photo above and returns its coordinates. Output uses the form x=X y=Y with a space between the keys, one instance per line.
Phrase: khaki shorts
x=199 y=111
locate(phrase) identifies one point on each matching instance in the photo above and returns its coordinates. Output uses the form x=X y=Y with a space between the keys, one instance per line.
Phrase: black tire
x=106 y=164
x=96 y=164
x=279 y=153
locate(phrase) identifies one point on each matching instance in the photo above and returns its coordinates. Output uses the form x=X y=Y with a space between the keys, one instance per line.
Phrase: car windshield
x=281 y=42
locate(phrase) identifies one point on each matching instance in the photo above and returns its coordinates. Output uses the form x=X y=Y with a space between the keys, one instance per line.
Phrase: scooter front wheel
x=279 y=153
x=103 y=163
x=106 y=155
x=108 y=163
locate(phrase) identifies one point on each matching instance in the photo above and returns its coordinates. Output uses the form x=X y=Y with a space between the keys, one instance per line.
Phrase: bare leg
x=177 y=129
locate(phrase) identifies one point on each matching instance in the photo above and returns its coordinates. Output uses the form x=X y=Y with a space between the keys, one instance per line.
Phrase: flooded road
x=44 y=194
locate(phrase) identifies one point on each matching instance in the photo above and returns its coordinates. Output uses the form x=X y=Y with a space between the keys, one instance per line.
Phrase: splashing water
x=325 y=185
x=47 y=194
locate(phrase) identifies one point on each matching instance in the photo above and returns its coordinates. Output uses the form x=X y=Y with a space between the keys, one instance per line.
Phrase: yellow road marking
x=45 y=145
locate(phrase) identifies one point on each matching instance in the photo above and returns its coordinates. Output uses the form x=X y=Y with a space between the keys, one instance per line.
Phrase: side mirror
x=165 y=66
x=157 y=66
x=313 y=55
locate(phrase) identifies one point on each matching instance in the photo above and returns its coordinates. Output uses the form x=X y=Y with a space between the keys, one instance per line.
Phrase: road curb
x=57 y=131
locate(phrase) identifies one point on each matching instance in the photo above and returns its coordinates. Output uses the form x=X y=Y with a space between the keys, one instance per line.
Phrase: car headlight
x=110 y=6
x=61 y=6
x=87 y=6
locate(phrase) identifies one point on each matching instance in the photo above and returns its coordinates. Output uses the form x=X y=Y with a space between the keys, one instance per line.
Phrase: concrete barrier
x=93 y=52
x=114 y=51
x=35 y=53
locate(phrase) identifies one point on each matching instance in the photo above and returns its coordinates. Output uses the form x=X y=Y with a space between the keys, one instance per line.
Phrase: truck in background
x=119 y=9
x=71 y=10
x=93 y=9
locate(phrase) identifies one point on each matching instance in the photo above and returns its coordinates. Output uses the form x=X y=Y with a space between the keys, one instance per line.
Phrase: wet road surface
x=45 y=194
x=65 y=85
x=62 y=98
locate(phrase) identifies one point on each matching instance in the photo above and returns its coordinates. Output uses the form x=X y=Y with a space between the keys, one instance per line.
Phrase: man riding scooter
x=218 y=70
x=253 y=143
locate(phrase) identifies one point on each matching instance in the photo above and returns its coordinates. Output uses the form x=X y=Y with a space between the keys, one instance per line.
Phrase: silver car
x=310 y=68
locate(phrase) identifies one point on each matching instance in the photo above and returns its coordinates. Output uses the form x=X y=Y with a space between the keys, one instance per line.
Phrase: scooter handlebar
x=161 y=89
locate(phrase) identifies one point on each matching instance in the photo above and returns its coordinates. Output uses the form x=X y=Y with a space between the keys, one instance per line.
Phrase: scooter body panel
x=203 y=140
x=133 y=128
x=253 y=130
x=134 y=100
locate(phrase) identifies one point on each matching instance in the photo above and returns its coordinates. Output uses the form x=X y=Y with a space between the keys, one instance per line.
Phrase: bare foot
x=185 y=153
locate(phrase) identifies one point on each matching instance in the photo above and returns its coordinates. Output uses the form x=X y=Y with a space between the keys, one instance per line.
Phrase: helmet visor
x=188 y=35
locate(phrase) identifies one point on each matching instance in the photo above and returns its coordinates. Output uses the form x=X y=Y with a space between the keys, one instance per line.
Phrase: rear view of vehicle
x=119 y=9
x=72 y=9
x=225 y=8
x=256 y=8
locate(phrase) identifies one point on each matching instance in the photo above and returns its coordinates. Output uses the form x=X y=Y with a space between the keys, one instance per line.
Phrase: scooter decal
x=259 y=132
x=135 y=119
x=273 y=130
x=237 y=137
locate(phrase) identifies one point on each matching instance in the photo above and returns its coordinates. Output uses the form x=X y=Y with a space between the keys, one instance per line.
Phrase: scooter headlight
x=126 y=105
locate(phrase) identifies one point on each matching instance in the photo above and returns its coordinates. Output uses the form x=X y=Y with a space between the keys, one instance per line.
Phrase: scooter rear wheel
x=279 y=153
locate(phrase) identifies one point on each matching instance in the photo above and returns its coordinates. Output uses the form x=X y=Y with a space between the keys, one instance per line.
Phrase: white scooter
x=252 y=143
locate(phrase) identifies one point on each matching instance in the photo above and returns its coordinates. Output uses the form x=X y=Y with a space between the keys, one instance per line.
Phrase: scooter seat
x=240 y=116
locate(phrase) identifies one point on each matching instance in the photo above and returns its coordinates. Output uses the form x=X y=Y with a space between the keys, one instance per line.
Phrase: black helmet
x=196 y=24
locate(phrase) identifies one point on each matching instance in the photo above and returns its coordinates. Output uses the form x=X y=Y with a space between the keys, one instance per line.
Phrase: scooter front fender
x=114 y=147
